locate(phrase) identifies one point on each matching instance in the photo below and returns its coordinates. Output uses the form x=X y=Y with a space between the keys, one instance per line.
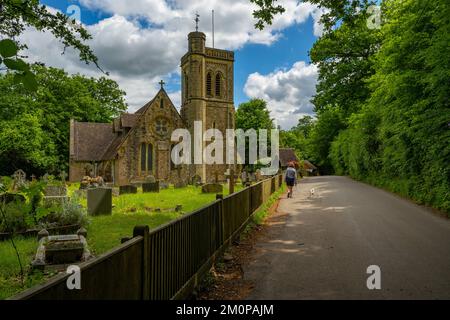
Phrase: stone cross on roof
x=162 y=83
x=197 y=20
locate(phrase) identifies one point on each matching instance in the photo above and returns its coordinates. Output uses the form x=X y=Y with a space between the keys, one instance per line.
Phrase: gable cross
x=162 y=83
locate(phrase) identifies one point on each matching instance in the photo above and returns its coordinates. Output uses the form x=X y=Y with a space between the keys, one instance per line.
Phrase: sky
x=140 y=42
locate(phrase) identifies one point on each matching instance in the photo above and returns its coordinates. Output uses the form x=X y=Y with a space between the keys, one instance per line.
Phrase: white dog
x=312 y=192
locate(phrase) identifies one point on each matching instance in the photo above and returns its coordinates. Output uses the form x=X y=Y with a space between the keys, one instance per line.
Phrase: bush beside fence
x=167 y=262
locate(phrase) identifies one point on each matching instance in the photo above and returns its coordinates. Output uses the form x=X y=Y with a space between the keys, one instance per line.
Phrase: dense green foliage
x=401 y=138
x=34 y=126
x=253 y=115
x=383 y=98
x=16 y=16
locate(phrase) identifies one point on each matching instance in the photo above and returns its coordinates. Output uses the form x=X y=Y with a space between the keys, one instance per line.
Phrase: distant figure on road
x=291 y=178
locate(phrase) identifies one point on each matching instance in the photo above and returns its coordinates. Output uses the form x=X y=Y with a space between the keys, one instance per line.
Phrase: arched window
x=218 y=84
x=209 y=84
x=146 y=158
x=149 y=158
x=186 y=86
x=143 y=157
x=161 y=103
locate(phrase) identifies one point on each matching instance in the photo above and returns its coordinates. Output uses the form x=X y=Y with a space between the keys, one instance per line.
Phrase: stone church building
x=136 y=146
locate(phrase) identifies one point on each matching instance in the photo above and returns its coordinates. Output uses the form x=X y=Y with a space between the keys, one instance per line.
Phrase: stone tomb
x=130 y=189
x=99 y=201
x=56 y=252
x=212 y=188
x=150 y=187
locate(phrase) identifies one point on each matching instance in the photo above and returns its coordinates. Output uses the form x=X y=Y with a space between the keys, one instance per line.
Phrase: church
x=136 y=147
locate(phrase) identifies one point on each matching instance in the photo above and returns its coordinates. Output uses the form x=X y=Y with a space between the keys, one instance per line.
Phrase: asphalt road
x=328 y=240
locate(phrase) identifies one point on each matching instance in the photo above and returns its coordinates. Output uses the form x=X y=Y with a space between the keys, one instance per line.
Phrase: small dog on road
x=312 y=192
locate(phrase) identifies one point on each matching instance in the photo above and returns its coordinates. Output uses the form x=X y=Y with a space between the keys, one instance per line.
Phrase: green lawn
x=105 y=233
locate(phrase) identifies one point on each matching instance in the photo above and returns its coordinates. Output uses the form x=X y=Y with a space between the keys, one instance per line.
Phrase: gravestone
x=150 y=187
x=99 y=201
x=55 y=200
x=212 y=188
x=163 y=185
x=258 y=175
x=196 y=180
x=150 y=179
x=55 y=191
x=20 y=179
x=127 y=189
x=180 y=184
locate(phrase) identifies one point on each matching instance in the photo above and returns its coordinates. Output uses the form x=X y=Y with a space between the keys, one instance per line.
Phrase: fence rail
x=167 y=262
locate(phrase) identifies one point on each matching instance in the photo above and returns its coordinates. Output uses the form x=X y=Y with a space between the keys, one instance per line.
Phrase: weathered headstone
x=20 y=179
x=55 y=191
x=163 y=185
x=127 y=189
x=180 y=184
x=212 y=188
x=196 y=180
x=150 y=179
x=99 y=201
x=55 y=200
x=150 y=187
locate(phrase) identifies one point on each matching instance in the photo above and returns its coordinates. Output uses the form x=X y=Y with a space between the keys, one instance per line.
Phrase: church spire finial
x=162 y=83
x=197 y=20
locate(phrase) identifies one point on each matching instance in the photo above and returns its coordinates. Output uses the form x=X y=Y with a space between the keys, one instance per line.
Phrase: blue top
x=291 y=173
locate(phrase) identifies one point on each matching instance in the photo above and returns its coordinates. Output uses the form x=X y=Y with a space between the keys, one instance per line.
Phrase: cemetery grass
x=104 y=232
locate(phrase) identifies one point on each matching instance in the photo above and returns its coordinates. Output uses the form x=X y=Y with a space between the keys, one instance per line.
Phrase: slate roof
x=287 y=155
x=129 y=120
x=308 y=165
x=91 y=140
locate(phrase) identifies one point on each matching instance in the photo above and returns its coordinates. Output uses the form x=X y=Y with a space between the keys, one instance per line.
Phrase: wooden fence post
x=143 y=231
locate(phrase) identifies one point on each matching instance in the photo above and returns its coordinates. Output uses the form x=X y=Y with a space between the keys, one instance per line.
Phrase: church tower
x=208 y=95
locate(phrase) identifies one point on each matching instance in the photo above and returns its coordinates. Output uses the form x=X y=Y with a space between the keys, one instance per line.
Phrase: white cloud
x=288 y=92
x=144 y=40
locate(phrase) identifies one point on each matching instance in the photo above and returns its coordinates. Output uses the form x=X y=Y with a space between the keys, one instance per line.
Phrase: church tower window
x=186 y=86
x=218 y=84
x=161 y=103
x=209 y=84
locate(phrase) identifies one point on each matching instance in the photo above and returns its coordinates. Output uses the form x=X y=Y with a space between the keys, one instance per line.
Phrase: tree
x=298 y=137
x=254 y=115
x=336 y=11
x=344 y=60
x=16 y=15
x=34 y=126
x=329 y=124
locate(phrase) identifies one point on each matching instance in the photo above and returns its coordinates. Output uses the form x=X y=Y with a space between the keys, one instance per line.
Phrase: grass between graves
x=105 y=232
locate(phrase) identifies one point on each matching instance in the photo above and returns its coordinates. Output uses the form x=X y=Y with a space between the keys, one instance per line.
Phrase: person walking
x=291 y=178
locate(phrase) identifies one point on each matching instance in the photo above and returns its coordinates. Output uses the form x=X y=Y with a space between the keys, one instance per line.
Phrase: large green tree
x=16 y=16
x=254 y=115
x=34 y=126
x=400 y=139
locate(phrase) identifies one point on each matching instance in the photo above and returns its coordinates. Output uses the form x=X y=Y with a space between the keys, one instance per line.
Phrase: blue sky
x=273 y=65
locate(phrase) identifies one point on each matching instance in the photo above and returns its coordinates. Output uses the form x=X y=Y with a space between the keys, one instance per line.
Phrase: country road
x=323 y=247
